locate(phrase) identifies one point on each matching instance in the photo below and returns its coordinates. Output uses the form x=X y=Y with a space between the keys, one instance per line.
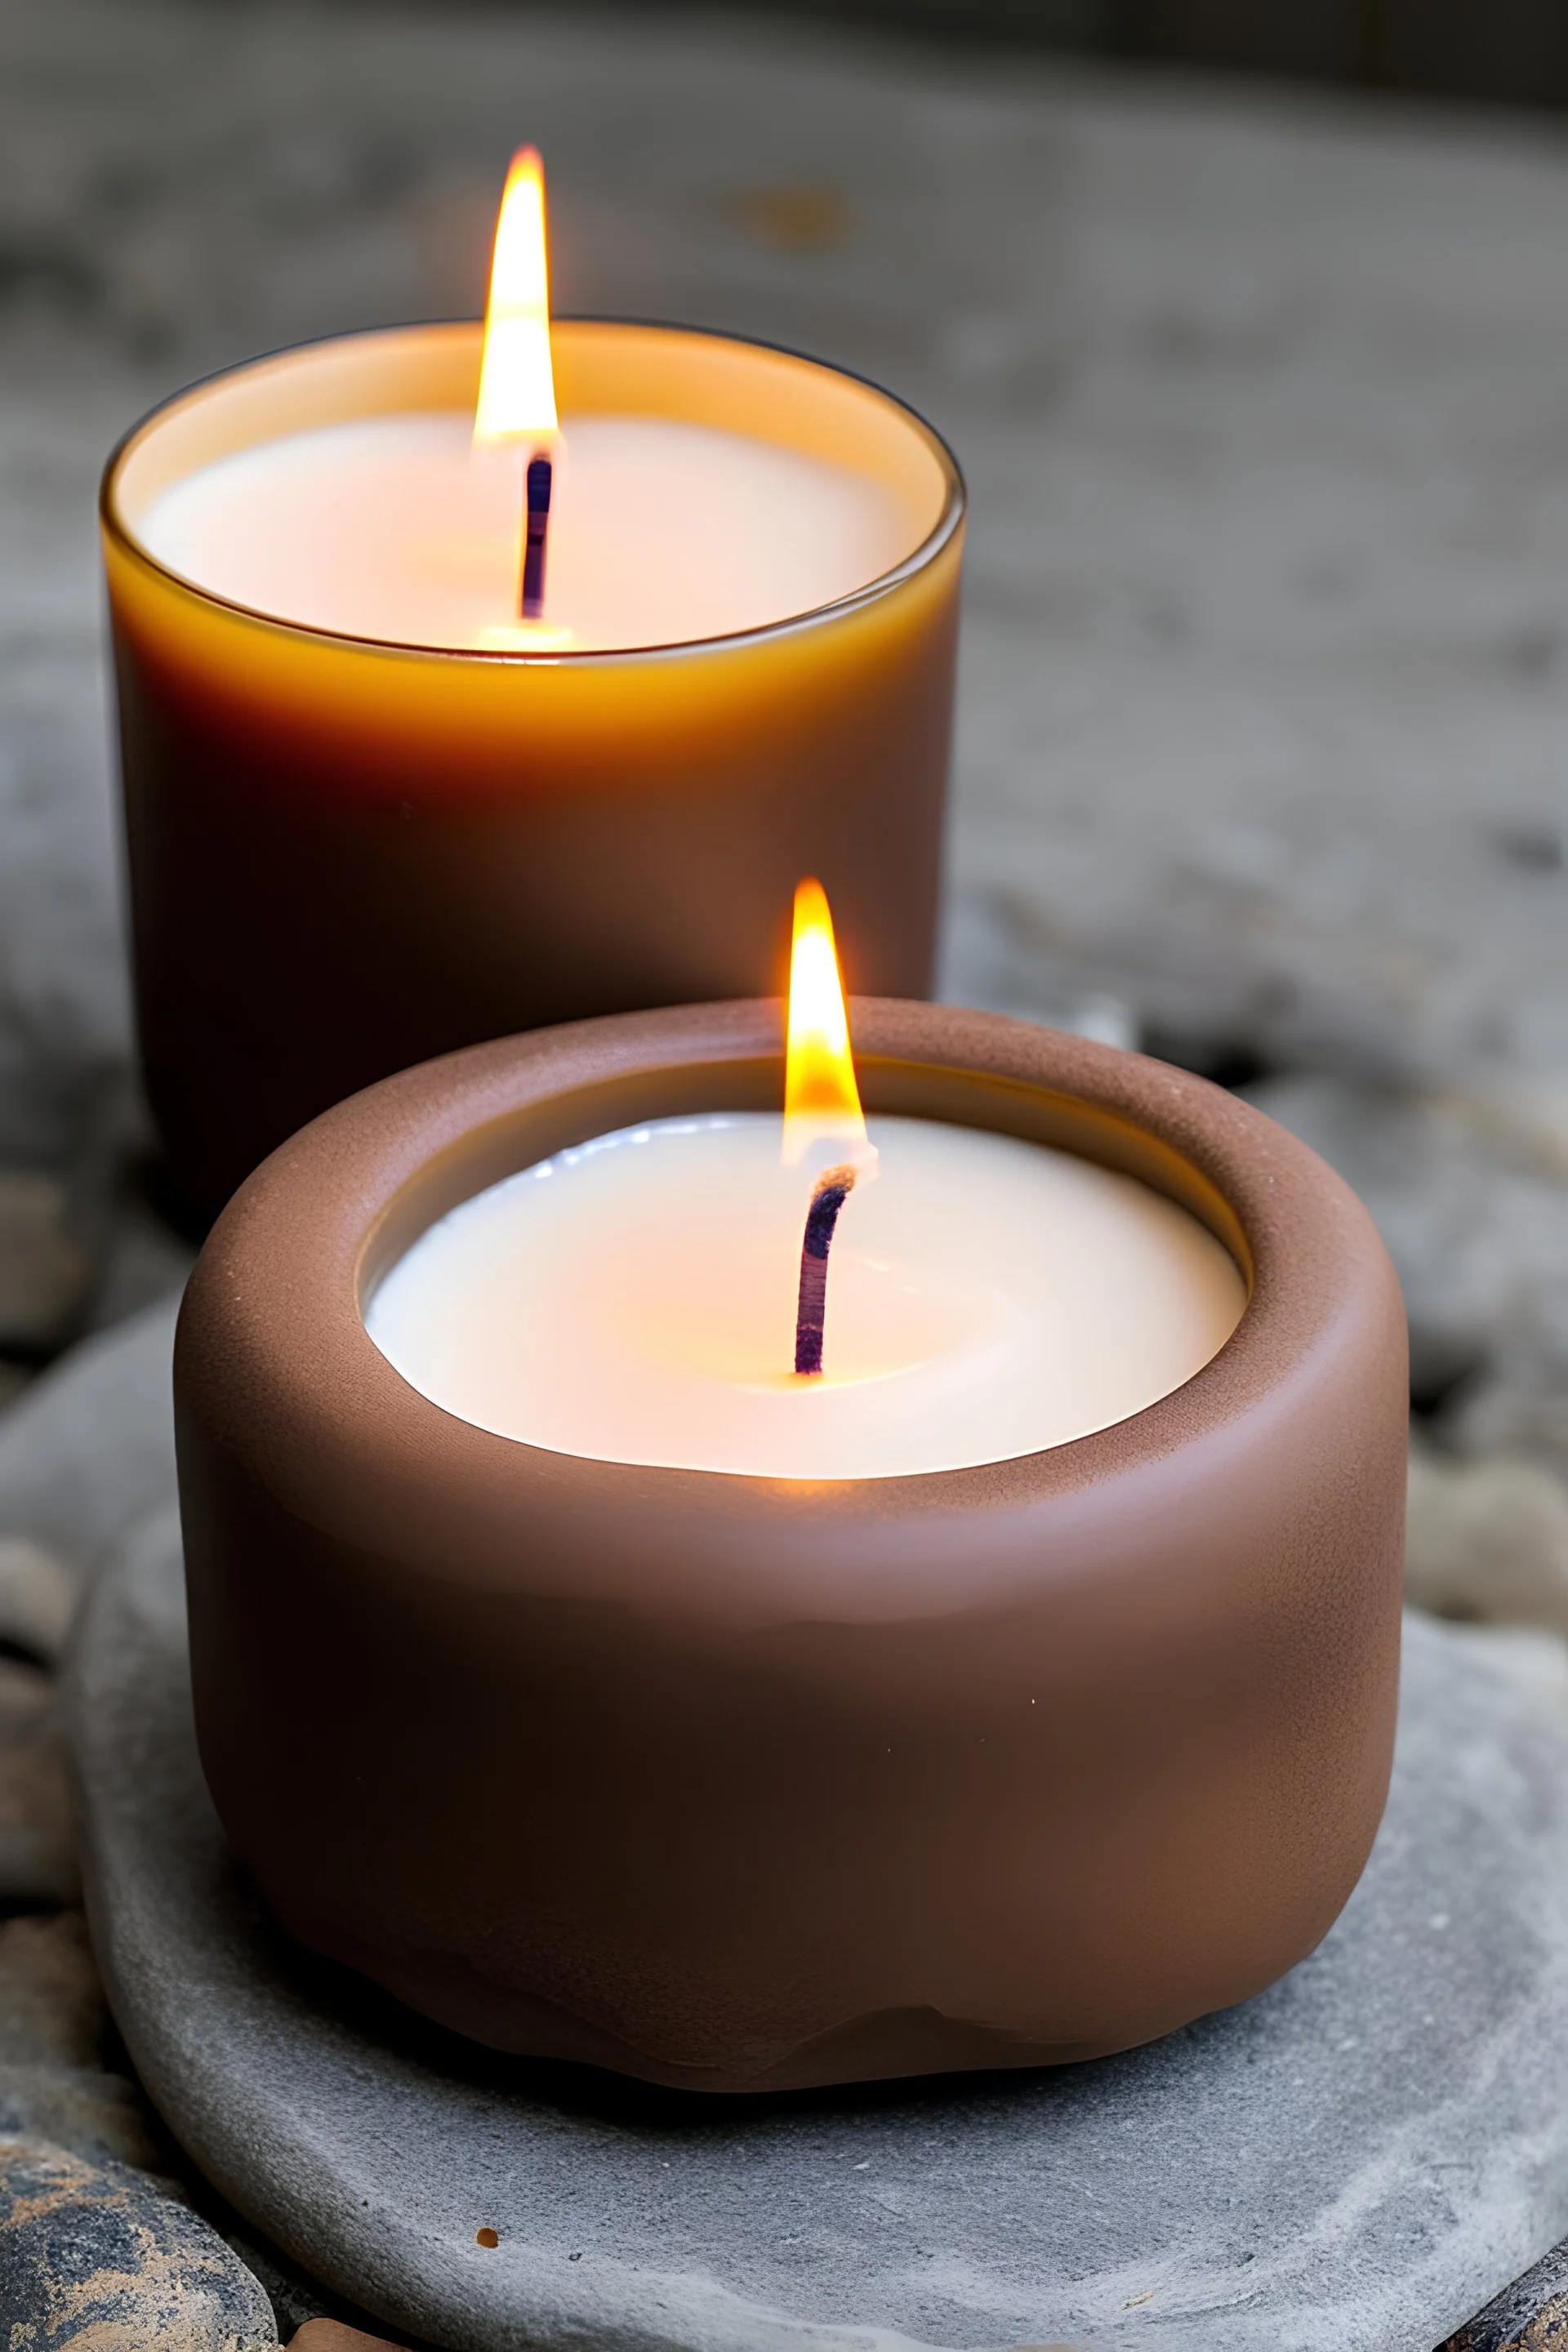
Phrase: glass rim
x=943 y=530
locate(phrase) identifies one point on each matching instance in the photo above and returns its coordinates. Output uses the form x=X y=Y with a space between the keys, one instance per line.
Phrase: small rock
x=1530 y=2315
x=44 y=1270
x=37 y=1843
x=143 y=1261
x=97 y=2257
x=52 y=2009
x=101 y=2118
x=295 y=2297
x=1488 y=1540
x=1473 y=1204
x=75 y=1479
x=53 y=2024
x=37 y=1598
x=1520 y=1406
x=982 y=966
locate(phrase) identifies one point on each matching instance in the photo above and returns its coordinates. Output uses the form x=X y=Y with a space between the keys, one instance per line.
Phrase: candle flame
x=517 y=383
x=822 y=1102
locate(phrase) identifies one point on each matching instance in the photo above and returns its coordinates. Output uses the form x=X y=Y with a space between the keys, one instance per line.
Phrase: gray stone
x=1520 y=1406
x=1488 y=1540
x=1356 y=2160
x=44 y=1269
x=142 y=1262
x=89 y=1448
x=38 y=1597
x=96 y=2257
x=54 y=2084
x=51 y=2003
x=100 y=2117
x=37 y=1843
x=1476 y=1220
x=1468 y=1184
x=1532 y=2316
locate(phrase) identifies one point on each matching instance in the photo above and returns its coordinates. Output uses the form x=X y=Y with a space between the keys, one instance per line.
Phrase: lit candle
x=634 y=1298
x=743 y=1783
x=402 y=773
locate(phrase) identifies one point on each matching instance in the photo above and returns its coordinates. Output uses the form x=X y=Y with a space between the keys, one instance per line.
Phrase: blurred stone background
x=1515 y=51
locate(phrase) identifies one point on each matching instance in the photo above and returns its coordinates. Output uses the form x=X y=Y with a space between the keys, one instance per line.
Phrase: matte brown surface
x=331 y=2336
x=737 y=1783
x=346 y=857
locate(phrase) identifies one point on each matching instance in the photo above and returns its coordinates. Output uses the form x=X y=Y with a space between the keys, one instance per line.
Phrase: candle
x=743 y=1781
x=374 y=812
x=634 y=1297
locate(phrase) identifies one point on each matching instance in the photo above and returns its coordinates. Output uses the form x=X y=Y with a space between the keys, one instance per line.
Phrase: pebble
x=52 y=2009
x=1488 y=1540
x=38 y=1845
x=100 y=2258
x=1532 y=2316
x=44 y=1270
x=1521 y=1405
x=37 y=1598
x=100 y=2117
x=76 y=1481
x=54 y=2021
x=1469 y=1190
x=54 y=2084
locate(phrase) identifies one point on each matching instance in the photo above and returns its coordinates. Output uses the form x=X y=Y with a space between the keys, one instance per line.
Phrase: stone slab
x=1355 y=2162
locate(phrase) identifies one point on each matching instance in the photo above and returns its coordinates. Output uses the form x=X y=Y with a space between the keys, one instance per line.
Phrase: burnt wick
x=541 y=482
x=833 y=1189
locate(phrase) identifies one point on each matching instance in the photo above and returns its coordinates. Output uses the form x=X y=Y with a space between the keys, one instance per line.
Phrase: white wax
x=397 y=527
x=632 y=1299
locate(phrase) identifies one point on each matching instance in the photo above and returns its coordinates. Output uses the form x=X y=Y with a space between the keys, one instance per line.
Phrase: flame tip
x=822 y=1101
x=517 y=383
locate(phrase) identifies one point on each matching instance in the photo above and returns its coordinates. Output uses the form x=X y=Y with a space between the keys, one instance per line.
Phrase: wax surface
x=632 y=1299
x=397 y=528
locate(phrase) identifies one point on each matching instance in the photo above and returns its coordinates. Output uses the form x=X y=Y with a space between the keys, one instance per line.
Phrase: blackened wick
x=833 y=1189
x=541 y=482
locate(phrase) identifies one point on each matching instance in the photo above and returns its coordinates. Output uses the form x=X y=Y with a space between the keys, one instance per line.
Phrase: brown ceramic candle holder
x=738 y=1783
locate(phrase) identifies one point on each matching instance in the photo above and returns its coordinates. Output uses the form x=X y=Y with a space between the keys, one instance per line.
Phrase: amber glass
x=346 y=857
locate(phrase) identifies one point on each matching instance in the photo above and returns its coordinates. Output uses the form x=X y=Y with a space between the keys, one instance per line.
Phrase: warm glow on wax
x=822 y=1102
x=517 y=383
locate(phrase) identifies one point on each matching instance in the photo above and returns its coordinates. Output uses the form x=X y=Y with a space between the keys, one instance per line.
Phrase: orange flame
x=822 y=1102
x=517 y=383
